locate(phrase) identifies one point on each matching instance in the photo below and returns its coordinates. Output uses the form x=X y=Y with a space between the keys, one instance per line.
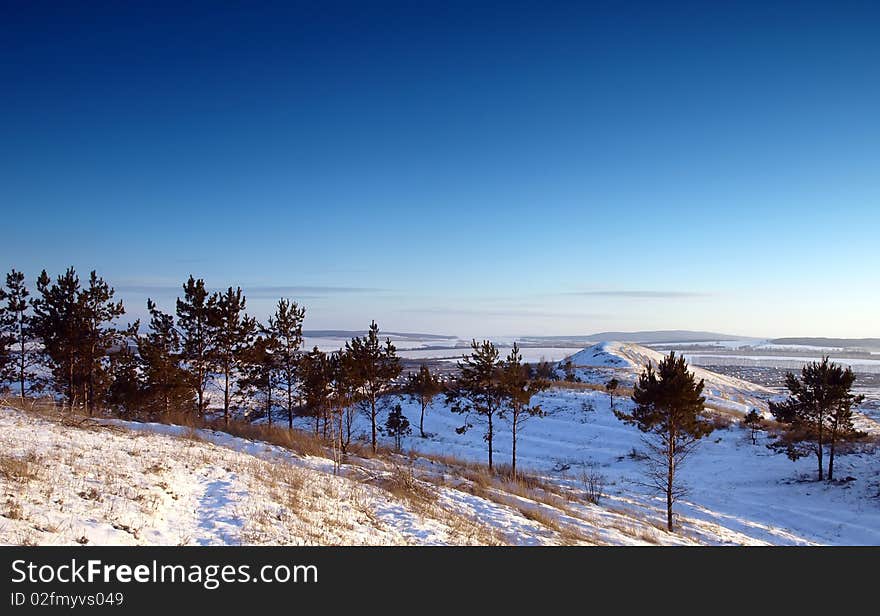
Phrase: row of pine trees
x=67 y=341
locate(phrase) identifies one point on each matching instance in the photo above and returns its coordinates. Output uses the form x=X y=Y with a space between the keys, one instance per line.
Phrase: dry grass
x=20 y=469
x=13 y=510
x=403 y=485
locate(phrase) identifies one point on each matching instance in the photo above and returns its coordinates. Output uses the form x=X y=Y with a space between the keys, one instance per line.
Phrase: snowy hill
x=625 y=360
x=115 y=482
x=110 y=482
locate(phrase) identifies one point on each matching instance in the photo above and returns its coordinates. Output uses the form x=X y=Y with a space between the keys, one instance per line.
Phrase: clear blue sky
x=544 y=168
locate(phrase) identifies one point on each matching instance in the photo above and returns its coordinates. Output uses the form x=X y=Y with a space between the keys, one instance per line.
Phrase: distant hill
x=644 y=337
x=349 y=333
x=847 y=343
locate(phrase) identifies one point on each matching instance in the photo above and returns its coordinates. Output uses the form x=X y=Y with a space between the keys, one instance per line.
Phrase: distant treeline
x=857 y=343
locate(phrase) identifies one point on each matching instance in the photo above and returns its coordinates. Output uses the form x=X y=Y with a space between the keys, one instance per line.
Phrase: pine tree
x=422 y=387
x=285 y=326
x=233 y=332
x=98 y=311
x=374 y=368
x=569 y=371
x=477 y=391
x=754 y=422
x=16 y=328
x=126 y=387
x=7 y=361
x=397 y=425
x=342 y=397
x=669 y=404
x=56 y=325
x=611 y=386
x=75 y=326
x=841 y=416
x=259 y=369
x=819 y=403
x=195 y=314
x=818 y=412
x=316 y=375
x=166 y=384
x=518 y=389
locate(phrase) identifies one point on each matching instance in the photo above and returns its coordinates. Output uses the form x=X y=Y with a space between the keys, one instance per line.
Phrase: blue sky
x=520 y=168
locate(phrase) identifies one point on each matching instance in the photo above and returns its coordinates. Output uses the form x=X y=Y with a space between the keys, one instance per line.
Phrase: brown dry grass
x=20 y=469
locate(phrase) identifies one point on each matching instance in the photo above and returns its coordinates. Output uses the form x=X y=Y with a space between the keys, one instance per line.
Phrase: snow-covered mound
x=626 y=360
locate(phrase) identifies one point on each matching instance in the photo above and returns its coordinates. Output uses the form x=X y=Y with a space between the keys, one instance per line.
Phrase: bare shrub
x=402 y=484
x=720 y=422
x=594 y=484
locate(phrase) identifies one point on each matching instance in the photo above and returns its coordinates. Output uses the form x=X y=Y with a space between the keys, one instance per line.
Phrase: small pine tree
x=16 y=336
x=285 y=327
x=316 y=376
x=233 y=333
x=754 y=422
x=397 y=425
x=477 y=391
x=258 y=370
x=569 y=371
x=343 y=396
x=126 y=388
x=167 y=385
x=669 y=404
x=98 y=336
x=611 y=386
x=422 y=387
x=57 y=327
x=518 y=388
x=373 y=369
x=195 y=314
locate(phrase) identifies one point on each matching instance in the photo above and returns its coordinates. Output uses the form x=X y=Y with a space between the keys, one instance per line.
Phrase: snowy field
x=117 y=482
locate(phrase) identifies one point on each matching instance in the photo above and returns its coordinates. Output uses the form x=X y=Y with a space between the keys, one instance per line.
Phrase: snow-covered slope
x=116 y=482
x=111 y=482
x=625 y=360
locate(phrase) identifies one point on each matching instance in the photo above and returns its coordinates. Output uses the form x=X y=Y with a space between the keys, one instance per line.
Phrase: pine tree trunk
x=21 y=360
x=831 y=453
x=269 y=399
x=226 y=370
x=819 y=445
x=342 y=443
x=373 y=421
x=422 y=421
x=289 y=405
x=70 y=391
x=513 y=456
x=670 y=477
x=490 y=441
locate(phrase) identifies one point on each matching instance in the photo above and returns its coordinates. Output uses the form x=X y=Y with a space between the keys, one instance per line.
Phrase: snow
x=111 y=482
x=117 y=482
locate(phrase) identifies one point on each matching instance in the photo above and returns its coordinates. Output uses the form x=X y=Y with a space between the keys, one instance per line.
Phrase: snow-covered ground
x=115 y=482
x=110 y=482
